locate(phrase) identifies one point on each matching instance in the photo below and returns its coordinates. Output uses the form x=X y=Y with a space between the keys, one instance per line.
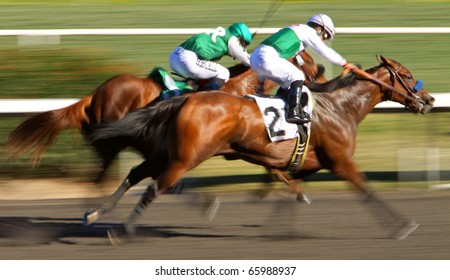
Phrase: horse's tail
x=144 y=125
x=38 y=132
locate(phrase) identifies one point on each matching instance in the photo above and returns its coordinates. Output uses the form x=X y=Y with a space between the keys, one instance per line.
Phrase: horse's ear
x=380 y=59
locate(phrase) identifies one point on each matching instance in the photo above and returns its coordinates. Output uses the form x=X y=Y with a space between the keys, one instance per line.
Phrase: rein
x=376 y=80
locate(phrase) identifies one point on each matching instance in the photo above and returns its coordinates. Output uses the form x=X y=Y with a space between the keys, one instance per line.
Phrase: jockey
x=270 y=59
x=195 y=57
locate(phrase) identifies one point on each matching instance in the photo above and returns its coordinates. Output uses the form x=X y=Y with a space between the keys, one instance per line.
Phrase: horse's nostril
x=431 y=101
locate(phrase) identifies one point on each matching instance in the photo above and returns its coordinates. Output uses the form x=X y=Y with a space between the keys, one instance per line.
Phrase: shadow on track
x=26 y=231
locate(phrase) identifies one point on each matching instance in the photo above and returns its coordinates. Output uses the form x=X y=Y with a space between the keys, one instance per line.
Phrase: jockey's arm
x=237 y=51
x=318 y=46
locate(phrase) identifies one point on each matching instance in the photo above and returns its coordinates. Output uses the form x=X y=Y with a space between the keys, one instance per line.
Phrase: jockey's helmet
x=326 y=22
x=240 y=29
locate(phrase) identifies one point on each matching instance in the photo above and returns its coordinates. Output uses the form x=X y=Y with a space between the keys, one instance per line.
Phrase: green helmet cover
x=240 y=29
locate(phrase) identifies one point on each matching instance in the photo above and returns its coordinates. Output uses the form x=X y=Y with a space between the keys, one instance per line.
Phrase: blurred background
x=390 y=145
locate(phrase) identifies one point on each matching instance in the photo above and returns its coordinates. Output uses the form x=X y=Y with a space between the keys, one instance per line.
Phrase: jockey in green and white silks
x=270 y=59
x=195 y=57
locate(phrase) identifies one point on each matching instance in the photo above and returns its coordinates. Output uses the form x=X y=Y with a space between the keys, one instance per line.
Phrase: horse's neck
x=371 y=91
x=366 y=96
x=351 y=103
x=242 y=84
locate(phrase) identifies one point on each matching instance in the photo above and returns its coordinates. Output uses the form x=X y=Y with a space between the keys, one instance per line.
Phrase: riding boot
x=294 y=113
x=215 y=84
x=283 y=93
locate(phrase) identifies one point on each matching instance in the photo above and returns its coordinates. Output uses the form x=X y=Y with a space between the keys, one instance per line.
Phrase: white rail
x=30 y=106
x=33 y=106
x=182 y=31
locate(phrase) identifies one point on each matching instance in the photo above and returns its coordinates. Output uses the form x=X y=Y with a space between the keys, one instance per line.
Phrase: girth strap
x=298 y=156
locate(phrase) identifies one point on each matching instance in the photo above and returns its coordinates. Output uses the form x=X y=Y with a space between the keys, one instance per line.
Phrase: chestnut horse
x=116 y=98
x=177 y=135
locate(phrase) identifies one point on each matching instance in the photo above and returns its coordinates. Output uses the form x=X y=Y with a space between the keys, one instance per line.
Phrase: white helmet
x=324 y=21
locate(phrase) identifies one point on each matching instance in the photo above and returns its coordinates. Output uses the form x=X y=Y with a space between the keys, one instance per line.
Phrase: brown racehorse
x=116 y=98
x=177 y=135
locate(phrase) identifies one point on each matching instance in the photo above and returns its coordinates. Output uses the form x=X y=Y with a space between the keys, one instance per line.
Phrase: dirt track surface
x=337 y=225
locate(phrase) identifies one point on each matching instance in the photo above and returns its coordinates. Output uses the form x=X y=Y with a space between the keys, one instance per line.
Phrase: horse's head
x=410 y=92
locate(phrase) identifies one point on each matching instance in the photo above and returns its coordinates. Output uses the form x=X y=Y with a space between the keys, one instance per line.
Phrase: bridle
x=410 y=94
x=395 y=76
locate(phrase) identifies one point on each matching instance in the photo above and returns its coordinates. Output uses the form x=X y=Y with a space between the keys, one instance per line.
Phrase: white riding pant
x=266 y=61
x=186 y=63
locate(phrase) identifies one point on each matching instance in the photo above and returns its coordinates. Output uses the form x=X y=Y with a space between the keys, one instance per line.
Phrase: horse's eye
x=407 y=75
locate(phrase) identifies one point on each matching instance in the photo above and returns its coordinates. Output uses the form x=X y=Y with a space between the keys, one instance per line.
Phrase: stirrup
x=298 y=118
x=305 y=116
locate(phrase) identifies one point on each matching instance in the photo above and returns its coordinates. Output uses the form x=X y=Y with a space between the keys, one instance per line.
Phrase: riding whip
x=269 y=13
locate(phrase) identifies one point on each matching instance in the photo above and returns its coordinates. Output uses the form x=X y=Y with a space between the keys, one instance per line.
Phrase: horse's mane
x=338 y=82
x=334 y=84
x=237 y=69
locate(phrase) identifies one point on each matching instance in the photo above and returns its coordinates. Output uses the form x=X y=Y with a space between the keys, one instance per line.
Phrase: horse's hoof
x=260 y=194
x=304 y=199
x=212 y=210
x=118 y=236
x=113 y=236
x=90 y=217
x=405 y=230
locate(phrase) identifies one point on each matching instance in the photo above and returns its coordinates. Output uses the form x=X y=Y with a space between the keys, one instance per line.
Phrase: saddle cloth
x=273 y=111
x=274 y=115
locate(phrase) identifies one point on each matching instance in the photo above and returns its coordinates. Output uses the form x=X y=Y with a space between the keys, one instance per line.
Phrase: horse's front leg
x=400 y=226
x=387 y=216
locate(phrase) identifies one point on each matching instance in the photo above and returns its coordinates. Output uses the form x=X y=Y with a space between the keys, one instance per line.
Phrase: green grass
x=79 y=64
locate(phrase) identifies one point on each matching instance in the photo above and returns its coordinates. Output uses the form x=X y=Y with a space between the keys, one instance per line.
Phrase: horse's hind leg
x=136 y=174
x=294 y=186
x=107 y=154
x=101 y=174
x=147 y=197
x=130 y=228
x=291 y=184
x=167 y=179
x=268 y=184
